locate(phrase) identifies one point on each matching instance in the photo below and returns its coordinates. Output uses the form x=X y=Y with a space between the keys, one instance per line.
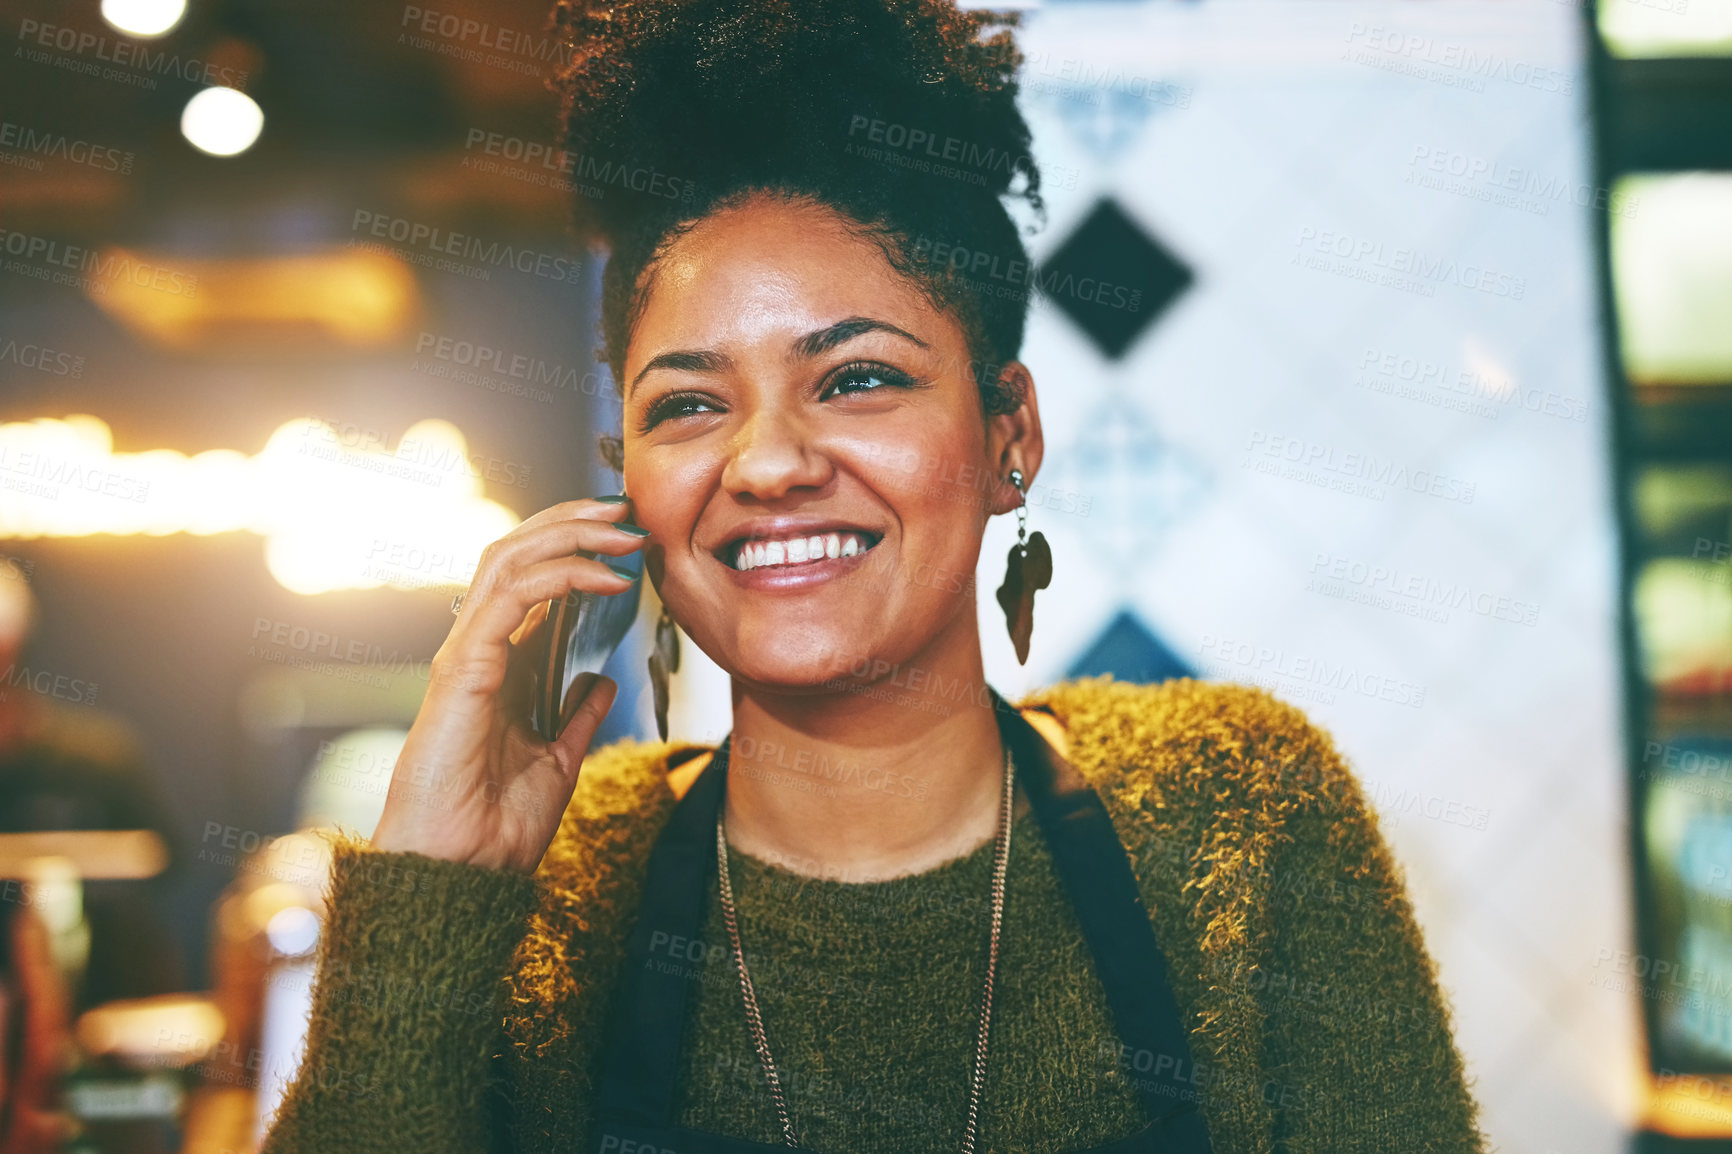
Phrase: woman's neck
x=892 y=770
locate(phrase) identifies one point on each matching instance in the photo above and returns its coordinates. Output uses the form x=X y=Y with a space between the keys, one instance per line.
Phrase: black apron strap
x=641 y=1048
x=1096 y=874
x=640 y=1059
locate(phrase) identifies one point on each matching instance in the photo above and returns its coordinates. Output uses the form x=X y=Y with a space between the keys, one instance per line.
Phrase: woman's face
x=805 y=443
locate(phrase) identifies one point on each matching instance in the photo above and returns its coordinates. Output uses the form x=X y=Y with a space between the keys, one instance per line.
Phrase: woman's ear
x=1013 y=438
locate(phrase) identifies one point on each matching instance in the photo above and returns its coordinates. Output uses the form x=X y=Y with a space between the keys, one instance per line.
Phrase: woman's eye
x=865 y=379
x=676 y=405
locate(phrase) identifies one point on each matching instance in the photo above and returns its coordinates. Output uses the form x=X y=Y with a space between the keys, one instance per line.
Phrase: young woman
x=891 y=912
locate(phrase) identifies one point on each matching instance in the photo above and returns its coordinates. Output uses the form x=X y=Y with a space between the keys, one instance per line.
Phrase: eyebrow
x=818 y=343
x=813 y=344
x=686 y=361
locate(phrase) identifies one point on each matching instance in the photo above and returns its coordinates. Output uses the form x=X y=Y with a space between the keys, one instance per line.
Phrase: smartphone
x=581 y=632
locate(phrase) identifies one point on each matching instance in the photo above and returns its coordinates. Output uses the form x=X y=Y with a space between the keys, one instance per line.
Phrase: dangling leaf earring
x=1029 y=568
x=664 y=660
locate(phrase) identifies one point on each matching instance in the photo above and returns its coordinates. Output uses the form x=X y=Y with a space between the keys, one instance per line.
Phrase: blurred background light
x=1672 y=277
x=293 y=931
x=354 y=298
x=1666 y=27
x=338 y=510
x=346 y=787
x=144 y=19
x=222 y=121
x=1684 y=609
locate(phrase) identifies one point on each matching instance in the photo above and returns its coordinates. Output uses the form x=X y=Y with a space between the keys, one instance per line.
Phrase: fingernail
x=622 y=571
x=634 y=530
x=612 y=499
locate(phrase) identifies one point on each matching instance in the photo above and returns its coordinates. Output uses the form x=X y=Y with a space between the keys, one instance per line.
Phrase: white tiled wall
x=1284 y=122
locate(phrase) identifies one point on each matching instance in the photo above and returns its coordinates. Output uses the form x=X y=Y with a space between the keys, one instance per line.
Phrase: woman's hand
x=474 y=783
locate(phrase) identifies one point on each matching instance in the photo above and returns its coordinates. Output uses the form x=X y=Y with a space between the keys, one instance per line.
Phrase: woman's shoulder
x=1222 y=793
x=1207 y=741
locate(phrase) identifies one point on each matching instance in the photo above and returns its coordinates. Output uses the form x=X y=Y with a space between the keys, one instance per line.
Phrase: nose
x=774 y=454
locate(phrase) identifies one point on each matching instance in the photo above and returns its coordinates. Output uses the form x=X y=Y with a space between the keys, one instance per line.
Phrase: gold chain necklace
x=977 y=1083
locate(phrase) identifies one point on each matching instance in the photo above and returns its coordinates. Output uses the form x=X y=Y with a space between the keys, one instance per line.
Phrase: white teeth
x=799 y=550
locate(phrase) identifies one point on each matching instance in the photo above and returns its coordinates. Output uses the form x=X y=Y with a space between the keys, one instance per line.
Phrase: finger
x=586 y=705
x=528 y=543
x=505 y=604
x=588 y=508
x=480 y=641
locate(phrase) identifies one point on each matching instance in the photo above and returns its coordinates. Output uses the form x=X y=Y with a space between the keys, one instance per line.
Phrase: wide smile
x=795 y=558
x=795 y=551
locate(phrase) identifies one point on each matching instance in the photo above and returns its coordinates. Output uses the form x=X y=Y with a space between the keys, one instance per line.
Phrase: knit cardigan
x=461 y=1009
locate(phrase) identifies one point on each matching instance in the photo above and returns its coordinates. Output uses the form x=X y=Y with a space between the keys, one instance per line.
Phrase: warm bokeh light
x=173 y=1030
x=144 y=19
x=351 y=297
x=222 y=121
x=337 y=508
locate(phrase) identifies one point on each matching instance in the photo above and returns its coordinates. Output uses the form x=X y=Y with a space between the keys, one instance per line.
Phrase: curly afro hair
x=899 y=114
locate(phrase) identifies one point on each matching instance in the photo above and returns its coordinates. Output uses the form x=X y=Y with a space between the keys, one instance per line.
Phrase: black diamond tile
x=1127 y=650
x=1112 y=278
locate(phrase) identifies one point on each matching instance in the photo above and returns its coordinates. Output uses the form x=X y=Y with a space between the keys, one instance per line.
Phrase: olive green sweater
x=460 y=1009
